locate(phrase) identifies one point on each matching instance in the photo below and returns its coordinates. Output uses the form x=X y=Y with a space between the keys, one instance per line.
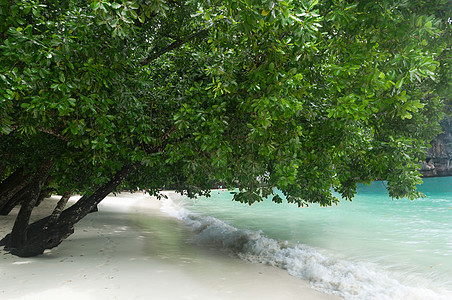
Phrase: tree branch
x=54 y=133
x=58 y=209
x=173 y=46
x=45 y=130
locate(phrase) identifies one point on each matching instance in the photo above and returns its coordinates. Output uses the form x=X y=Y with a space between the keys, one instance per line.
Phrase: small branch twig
x=173 y=46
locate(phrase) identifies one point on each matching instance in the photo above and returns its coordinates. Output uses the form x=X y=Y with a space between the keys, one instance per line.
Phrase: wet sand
x=132 y=250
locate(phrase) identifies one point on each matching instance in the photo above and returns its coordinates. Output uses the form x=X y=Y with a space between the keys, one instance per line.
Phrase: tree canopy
x=303 y=96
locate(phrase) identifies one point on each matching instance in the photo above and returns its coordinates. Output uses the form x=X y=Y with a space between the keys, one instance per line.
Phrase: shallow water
x=371 y=248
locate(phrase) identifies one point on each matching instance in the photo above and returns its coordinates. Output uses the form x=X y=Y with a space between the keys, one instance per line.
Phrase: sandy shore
x=131 y=250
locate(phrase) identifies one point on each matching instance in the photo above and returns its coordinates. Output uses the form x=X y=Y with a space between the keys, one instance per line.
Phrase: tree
x=303 y=96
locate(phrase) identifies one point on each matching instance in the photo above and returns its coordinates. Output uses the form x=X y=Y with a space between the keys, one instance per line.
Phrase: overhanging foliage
x=303 y=96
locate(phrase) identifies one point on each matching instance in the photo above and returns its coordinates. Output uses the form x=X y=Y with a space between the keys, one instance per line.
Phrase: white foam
x=351 y=280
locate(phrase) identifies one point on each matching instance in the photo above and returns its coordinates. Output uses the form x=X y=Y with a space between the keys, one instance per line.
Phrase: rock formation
x=439 y=156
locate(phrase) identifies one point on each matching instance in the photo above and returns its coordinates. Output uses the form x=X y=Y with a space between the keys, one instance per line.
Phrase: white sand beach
x=132 y=250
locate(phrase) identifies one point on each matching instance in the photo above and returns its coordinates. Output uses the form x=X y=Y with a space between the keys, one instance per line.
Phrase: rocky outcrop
x=439 y=156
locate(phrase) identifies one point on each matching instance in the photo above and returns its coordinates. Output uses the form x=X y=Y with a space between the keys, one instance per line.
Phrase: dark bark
x=15 y=200
x=44 y=234
x=45 y=193
x=19 y=233
x=86 y=204
x=13 y=184
x=12 y=180
x=95 y=209
x=23 y=194
x=53 y=218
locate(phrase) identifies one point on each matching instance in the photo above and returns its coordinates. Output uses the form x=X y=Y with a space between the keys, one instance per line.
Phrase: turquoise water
x=371 y=248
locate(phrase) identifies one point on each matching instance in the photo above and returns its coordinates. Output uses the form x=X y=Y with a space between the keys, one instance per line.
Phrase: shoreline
x=132 y=250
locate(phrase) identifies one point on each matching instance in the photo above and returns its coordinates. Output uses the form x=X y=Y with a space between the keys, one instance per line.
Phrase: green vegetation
x=303 y=96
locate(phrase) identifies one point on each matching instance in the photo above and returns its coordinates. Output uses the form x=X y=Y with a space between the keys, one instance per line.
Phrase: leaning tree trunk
x=46 y=192
x=16 y=199
x=13 y=184
x=24 y=194
x=19 y=233
x=48 y=233
x=53 y=218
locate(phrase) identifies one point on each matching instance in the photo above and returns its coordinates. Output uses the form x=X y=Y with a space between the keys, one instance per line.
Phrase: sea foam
x=324 y=271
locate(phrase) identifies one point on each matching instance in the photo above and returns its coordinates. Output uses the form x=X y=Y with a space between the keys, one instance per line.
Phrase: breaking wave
x=325 y=272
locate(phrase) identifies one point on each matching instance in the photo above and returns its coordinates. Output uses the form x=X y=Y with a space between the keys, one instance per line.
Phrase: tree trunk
x=19 y=233
x=46 y=234
x=15 y=200
x=95 y=209
x=23 y=194
x=45 y=193
x=11 y=180
x=53 y=218
x=13 y=184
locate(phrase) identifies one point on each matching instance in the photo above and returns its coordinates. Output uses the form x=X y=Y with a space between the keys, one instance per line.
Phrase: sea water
x=374 y=247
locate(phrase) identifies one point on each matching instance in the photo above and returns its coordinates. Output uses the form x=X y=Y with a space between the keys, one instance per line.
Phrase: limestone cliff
x=439 y=156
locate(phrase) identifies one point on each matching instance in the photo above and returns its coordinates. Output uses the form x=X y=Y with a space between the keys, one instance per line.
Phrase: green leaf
x=72 y=101
x=399 y=83
x=313 y=3
x=271 y=67
x=277 y=199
